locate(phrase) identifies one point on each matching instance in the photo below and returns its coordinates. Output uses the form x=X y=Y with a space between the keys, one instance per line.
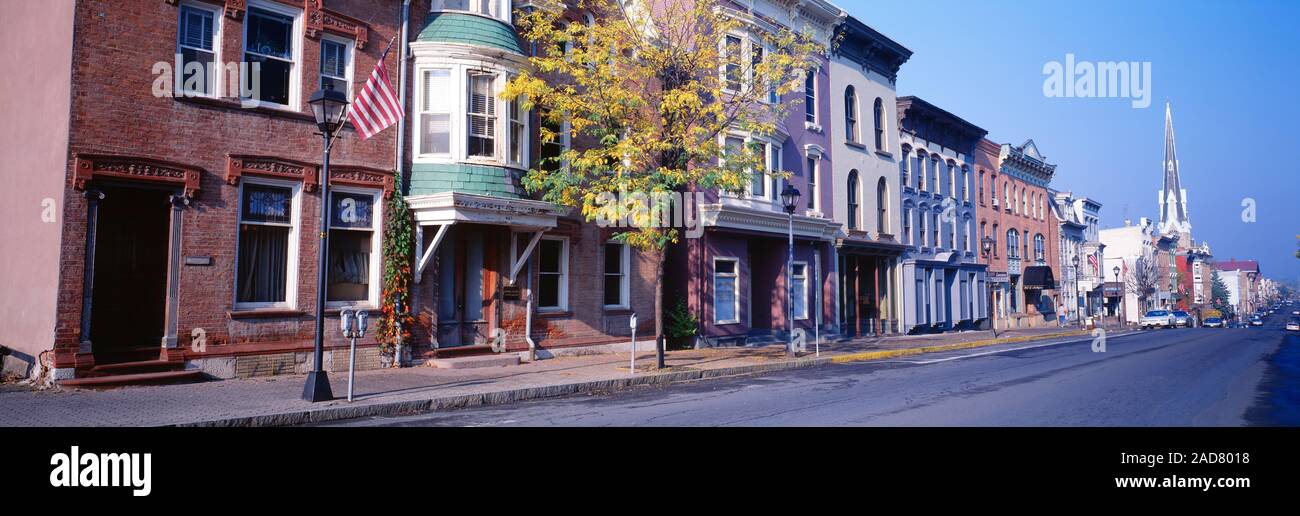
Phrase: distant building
x=1243 y=280
x=1078 y=219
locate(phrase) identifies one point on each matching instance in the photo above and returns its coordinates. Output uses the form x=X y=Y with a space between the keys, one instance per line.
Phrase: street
x=1179 y=377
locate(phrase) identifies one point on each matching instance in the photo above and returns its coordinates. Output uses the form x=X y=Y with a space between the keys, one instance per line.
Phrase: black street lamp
x=1075 y=261
x=987 y=244
x=1119 y=318
x=330 y=108
x=790 y=199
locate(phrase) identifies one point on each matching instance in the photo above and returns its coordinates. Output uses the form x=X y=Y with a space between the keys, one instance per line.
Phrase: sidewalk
x=274 y=401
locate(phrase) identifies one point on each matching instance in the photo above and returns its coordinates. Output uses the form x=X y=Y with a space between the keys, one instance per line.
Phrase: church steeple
x=1173 y=198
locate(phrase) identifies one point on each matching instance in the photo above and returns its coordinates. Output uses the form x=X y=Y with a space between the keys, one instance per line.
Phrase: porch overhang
x=861 y=243
x=444 y=208
x=726 y=216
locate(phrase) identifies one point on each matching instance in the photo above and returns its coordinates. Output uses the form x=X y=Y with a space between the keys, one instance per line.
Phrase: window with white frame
x=266 y=253
x=518 y=133
x=1038 y=247
x=732 y=70
x=936 y=227
x=481 y=110
x=907 y=225
x=799 y=286
x=814 y=198
x=197 y=41
x=617 y=256
x=435 y=112
x=810 y=96
x=726 y=291
x=878 y=121
x=270 y=31
x=952 y=180
x=850 y=114
x=553 y=274
x=336 y=64
x=921 y=216
x=852 y=194
x=552 y=152
x=903 y=173
x=489 y=8
x=773 y=165
x=353 y=274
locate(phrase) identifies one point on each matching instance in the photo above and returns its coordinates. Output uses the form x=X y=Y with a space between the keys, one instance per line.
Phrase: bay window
x=731 y=68
x=435 y=112
x=481 y=108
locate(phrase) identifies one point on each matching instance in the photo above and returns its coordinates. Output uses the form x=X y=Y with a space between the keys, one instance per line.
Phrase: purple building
x=733 y=275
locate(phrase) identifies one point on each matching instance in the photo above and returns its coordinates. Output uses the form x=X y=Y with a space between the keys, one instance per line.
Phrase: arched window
x=907 y=225
x=920 y=170
x=853 y=199
x=965 y=183
x=850 y=114
x=921 y=215
x=1024 y=203
x=952 y=179
x=1013 y=244
x=1038 y=247
x=903 y=173
x=882 y=206
x=880 y=123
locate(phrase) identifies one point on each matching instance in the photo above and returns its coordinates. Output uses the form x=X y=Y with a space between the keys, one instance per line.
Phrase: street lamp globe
x=987 y=241
x=789 y=198
x=329 y=107
x=1116 y=271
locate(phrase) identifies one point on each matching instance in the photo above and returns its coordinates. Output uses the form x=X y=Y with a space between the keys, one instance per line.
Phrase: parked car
x=1295 y=313
x=1293 y=325
x=1182 y=318
x=1256 y=321
x=1157 y=318
x=1212 y=322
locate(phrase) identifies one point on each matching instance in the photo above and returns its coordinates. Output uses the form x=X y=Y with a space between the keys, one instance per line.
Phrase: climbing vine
x=399 y=247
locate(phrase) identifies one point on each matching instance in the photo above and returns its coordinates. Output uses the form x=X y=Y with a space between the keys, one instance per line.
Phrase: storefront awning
x=1039 y=277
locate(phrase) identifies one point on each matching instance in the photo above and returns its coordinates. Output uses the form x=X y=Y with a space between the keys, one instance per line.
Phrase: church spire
x=1173 y=198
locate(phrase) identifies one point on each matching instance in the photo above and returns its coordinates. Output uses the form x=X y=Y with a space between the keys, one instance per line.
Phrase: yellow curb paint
x=895 y=353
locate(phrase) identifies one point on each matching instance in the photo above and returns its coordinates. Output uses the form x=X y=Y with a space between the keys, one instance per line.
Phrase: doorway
x=129 y=295
x=466 y=287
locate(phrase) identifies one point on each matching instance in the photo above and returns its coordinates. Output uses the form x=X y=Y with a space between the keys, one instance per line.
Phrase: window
x=773 y=165
x=879 y=113
x=755 y=59
x=726 y=300
x=966 y=237
x=482 y=124
x=731 y=73
x=1013 y=244
x=799 y=288
x=616 y=275
x=907 y=225
x=936 y=228
x=853 y=199
x=553 y=274
x=921 y=216
x=981 y=192
x=882 y=206
x=435 y=112
x=353 y=247
x=994 y=236
x=851 y=115
x=814 y=200
x=266 y=257
x=1024 y=203
x=903 y=173
x=196 y=42
x=920 y=171
x=952 y=180
x=810 y=96
x=335 y=65
x=268 y=42
x=518 y=132
x=490 y=8
x=1038 y=247
x=934 y=167
x=552 y=152
x=965 y=184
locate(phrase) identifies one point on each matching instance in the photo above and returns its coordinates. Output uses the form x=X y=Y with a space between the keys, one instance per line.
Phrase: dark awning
x=1039 y=277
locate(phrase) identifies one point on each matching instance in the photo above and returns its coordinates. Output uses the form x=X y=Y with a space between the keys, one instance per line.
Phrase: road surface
x=1179 y=377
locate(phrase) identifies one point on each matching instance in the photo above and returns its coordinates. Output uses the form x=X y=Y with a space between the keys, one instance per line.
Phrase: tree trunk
x=659 y=306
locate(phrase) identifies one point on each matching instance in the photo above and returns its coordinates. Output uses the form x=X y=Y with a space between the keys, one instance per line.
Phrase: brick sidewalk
x=275 y=400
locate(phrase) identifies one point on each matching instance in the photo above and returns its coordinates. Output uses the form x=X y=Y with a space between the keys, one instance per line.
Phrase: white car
x=1157 y=319
x=1294 y=325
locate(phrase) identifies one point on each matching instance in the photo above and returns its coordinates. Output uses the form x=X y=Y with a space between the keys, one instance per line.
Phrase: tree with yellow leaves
x=645 y=91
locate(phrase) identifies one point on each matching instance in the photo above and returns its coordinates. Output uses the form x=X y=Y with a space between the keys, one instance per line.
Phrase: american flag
x=1092 y=261
x=376 y=107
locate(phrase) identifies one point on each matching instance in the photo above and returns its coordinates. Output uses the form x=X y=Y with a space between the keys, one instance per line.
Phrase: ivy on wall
x=399 y=254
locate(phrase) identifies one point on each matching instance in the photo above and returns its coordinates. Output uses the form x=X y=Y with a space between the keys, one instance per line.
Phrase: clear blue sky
x=1230 y=69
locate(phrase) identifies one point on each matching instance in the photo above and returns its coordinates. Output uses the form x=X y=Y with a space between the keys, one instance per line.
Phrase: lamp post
x=1119 y=318
x=330 y=109
x=790 y=199
x=1075 y=261
x=987 y=245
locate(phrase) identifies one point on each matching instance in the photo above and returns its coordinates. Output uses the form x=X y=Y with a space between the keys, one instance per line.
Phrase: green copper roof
x=428 y=178
x=470 y=29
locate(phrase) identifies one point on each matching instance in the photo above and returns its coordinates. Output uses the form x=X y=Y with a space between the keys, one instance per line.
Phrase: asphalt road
x=1180 y=377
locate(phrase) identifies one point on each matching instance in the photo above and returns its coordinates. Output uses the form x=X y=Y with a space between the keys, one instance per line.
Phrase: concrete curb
x=401 y=408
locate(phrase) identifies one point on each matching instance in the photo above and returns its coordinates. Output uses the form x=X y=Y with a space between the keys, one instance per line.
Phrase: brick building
x=1012 y=186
